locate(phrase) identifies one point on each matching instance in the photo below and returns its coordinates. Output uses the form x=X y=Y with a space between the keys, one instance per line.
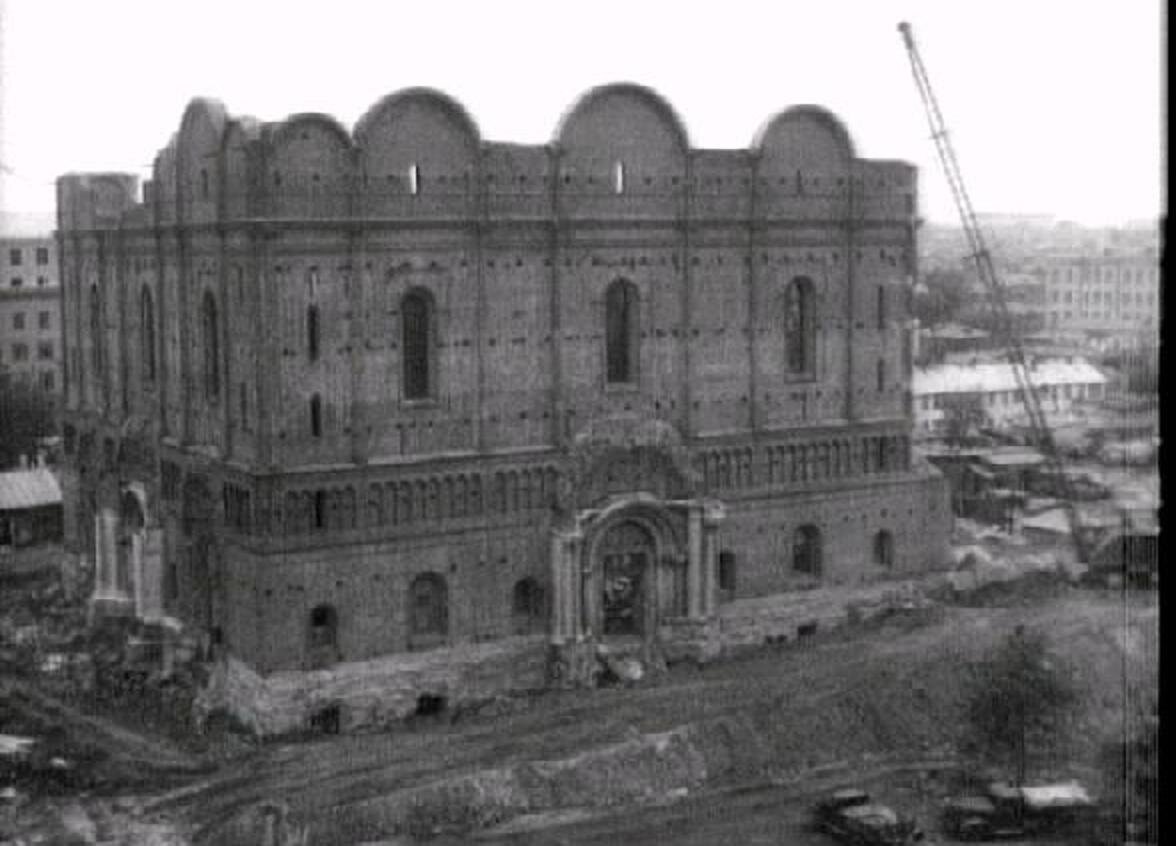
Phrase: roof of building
x=1055 y=521
x=991 y=377
x=20 y=489
x=1012 y=457
x=954 y=331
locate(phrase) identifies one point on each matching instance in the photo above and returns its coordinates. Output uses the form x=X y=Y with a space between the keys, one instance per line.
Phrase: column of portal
x=710 y=543
x=586 y=599
x=559 y=588
x=575 y=617
x=694 y=561
x=136 y=569
x=107 y=554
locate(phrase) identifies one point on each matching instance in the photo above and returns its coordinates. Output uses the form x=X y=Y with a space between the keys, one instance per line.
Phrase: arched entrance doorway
x=625 y=553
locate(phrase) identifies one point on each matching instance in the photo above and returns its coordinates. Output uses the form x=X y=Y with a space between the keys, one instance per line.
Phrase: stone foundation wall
x=373 y=694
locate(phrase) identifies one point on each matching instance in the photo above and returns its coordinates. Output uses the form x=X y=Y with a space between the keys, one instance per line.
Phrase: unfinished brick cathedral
x=337 y=395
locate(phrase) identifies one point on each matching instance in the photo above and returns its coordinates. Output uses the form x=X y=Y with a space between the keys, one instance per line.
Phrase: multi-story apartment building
x=333 y=395
x=30 y=312
x=1110 y=301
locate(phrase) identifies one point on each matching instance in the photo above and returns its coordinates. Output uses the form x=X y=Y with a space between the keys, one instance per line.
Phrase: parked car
x=851 y=816
x=1002 y=810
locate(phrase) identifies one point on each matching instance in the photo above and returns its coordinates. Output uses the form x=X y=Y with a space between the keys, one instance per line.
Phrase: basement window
x=430 y=705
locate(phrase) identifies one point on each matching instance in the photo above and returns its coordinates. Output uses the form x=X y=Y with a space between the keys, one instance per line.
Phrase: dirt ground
x=865 y=675
x=843 y=704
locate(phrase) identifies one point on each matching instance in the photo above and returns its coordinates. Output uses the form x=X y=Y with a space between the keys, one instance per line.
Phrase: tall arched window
x=211 y=338
x=806 y=550
x=428 y=611
x=95 y=330
x=147 y=338
x=621 y=320
x=416 y=314
x=799 y=325
x=884 y=549
x=312 y=332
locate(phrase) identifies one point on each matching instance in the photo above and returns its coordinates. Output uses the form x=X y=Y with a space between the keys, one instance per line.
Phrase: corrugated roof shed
x=21 y=489
x=991 y=377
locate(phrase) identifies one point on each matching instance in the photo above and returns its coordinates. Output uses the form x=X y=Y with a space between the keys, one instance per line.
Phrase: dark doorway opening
x=430 y=705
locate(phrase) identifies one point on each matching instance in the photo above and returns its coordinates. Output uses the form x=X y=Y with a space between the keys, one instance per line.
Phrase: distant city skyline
x=1071 y=127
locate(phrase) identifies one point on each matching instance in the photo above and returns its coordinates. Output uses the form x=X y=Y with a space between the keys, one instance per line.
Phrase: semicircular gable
x=295 y=126
x=622 y=117
x=805 y=138
x=417 y=126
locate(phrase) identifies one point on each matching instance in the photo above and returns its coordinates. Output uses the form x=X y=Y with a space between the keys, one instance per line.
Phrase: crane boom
x=986 y=270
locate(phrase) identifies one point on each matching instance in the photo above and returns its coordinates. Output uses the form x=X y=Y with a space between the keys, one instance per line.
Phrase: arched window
x=312 y=332
x=316 y=416
x=799 y=325
x=323 y=635
x=620 y=309
x=211 y=338
x=416 y=314
x=147 y=338
x=528 y=606
x=884 y=549
x=727 y=572
x=806 y=550
x=428 y=611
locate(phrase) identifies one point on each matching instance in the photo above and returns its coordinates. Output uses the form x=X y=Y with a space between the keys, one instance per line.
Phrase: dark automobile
x=1006 y=811
x=851 y=816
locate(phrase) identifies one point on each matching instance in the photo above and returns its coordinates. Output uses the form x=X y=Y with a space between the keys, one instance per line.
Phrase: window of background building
x=42 y=281
x=43 y=320
x=45 y=350
x=47 y=380
x=17 y=281
x=20 y=352
x=18 y=321
x=14 y=258
x=42 y=255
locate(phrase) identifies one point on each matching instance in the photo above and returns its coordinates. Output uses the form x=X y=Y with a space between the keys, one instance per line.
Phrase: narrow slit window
x=619 y=178
x=316 y=416
x=881 y=306
x=312 y=332
x=414 y=180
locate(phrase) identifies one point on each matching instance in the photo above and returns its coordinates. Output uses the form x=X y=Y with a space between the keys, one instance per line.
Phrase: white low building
x=1063 y=387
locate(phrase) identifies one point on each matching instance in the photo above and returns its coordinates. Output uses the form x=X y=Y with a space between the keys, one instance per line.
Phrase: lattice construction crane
x=987 y=271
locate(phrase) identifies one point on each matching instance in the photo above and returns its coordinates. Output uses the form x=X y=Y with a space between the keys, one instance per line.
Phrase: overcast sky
x=1055 y=107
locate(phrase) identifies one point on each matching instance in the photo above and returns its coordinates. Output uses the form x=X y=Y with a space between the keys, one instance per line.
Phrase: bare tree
x=1019 y=703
